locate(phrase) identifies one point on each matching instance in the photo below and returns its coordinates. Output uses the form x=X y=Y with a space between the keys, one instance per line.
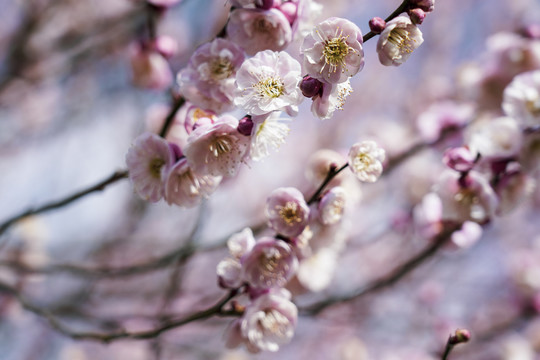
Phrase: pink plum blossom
x=208 y=81
x=149 y=160
x=229 y=270
x=270 y=263
x=217 y=149
x=468 y=235
x=287 y=211
x=330 y=98
x=366 y=160
x=495 y=138
x=257 y=30
x=150 y=69
x=441 y=116
x=268 y=82
x=183 y=187
x=459 y=159
x=466 y=199
x=332 y=205
x=398 y=40
x=333 y=51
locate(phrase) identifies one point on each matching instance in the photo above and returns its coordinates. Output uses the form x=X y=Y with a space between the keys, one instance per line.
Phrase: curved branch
x=387 y=280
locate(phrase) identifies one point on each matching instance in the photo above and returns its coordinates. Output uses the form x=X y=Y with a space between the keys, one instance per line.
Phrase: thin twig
x=216 y=310
x=386 y=280
x=331 y=174
x=402 y=7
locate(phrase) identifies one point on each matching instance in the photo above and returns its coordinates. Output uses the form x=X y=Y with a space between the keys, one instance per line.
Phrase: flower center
x=221 y=145
x=400 y=38
x=271 y=87
x=289 y=213
x=533 y=106
x=221 y=68
x=155 y=167
x=362 y=162
x=275 y=323
x=335 y=50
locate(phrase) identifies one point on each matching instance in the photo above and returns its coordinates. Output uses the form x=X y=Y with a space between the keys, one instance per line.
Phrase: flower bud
x=245 y=126
x=531 y=32
x=417 y=16
x=426 y=5
x=166 y=46
x=460 y=159
x=310 y=86
x=460 y=336
x=377 y=25
x=264 y=4
x=289 y=9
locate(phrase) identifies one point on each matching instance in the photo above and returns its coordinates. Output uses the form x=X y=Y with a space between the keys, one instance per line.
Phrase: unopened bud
x=532 y=31
x=245 y=126
x=459 y=337
x=289 y=9
x=377 y=25
x=264 y=4
x=417 y=16
x=460 y=159
x=166 y=46
x=310 y=86
x=426 y=5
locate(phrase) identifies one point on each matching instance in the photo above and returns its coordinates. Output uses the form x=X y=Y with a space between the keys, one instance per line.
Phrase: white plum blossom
x=468 y=235
x=229 y=270
x=366 y=160
x=185 y=188
x=148 y=161
x=332 y=205
x=267 y=323
x=269 y=133
x=269 y=82
x=495 y=138
x=217 y=149
x=398 y=40
x=330 y=98
x=256 y=30
x=333 y=51
x=522 y=98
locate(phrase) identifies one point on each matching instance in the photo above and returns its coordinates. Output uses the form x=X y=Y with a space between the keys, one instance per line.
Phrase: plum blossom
x=428 y=216
x=330 y=98
x=459 y=159
x=149 y=160
x=495 y=138
x=229 y=270
x=365 y=160
x=332 y=205
x=270 y=263
x=150 y=69
x=287 y=211
x=185 y=188
x=522 y=98
x=333 y=51
x=398 y=40
x=468 y=198
x=267 y=323
x=441 y=116
x=269 y=133
x=217 y=149
x=316 y=272
x=268 y=82
x=208 y=81
x=257 y=30
x=468 y=235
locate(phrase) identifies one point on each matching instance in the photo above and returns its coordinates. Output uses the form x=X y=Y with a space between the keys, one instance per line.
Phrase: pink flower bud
x=377 y=25
x=417 y=16
x=166 y=46
x=310 y=86
x=426 y=5
x=264 y=4
x=460 y=336
x=289 y=9
x=287 y=211
x=460 y=159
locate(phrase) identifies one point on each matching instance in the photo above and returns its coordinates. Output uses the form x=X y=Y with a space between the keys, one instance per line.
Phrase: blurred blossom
x=287 y=211
x=470 y=198
x=241 y=243
x=428 y=216
x=522 y=99
x=365 y=160
x=398 y=40
x=164 y=3
x=256 y=30
x=442 y=116
x=468 y=235
x=316 y=271
x=320 y=163
x=209 y=79
x=150 y=69
x=513 y=187
x=149 y=160
x=333 y=51
x=229 y=270
x=268 y=82
x=217 y=149
x=332 y=205
x=270 y=263
x=460 y=159
x=425 y=5
x=495 y=138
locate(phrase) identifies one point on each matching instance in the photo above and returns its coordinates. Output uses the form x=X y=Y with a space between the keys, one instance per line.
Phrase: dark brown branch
x=387 y=280
x=216 y=310
x=331 y=174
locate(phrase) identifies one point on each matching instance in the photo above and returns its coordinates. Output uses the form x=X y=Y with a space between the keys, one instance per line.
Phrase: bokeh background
x=69 y=112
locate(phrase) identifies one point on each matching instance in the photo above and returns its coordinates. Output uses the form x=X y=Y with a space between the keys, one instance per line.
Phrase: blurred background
x=69 y=112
